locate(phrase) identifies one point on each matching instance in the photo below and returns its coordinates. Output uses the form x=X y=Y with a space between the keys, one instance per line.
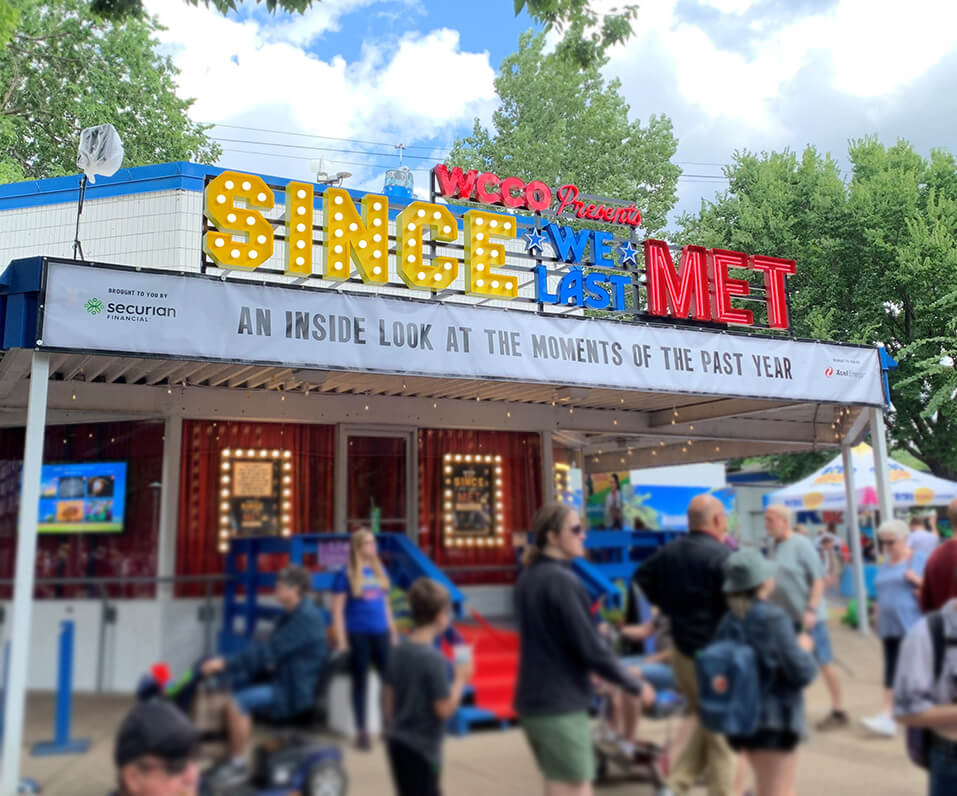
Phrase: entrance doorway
x=375 y=481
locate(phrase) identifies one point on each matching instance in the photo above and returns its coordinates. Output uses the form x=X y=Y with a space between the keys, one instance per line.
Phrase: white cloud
x=749 y=79
x=258 y=74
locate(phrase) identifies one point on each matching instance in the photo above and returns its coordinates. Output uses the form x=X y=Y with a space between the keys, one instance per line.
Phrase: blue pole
x=64 y=685
x=61 y=743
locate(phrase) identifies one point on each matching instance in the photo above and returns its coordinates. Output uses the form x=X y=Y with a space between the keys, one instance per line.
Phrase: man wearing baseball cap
x=155 y=752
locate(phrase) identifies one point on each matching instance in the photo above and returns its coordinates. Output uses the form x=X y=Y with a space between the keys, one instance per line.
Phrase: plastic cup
x=462 y=654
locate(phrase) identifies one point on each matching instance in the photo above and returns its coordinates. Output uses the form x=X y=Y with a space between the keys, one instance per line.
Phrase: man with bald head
x=684 y=579
x=799 y=590
x=940 y=573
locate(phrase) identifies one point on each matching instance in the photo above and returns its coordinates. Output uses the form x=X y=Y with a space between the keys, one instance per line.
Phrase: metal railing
x=108 y=613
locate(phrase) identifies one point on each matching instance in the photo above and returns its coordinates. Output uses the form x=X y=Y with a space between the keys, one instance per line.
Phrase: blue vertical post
x=62 y=744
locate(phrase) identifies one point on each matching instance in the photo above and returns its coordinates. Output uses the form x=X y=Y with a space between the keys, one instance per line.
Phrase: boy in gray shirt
x=418 y=698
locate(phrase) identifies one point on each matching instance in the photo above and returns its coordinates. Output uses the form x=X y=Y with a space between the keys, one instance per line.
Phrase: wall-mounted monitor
x=88 y=497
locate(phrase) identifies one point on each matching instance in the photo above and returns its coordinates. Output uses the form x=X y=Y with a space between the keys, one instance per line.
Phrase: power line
x=316 y=135
x=314 y=148
x=706 y=178
x=391 y=144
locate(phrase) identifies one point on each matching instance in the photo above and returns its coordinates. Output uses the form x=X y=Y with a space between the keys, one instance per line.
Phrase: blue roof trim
x=179 y=175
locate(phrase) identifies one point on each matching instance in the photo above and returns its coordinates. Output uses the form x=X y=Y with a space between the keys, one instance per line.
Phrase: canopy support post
x=850 y=516
x=885 y=500
x=16 y=696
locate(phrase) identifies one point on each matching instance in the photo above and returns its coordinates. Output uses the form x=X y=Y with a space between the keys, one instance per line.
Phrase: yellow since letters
x=229 y=220
x=351 y=239
x=410 y=225
x=481 y=254
x=299 y=206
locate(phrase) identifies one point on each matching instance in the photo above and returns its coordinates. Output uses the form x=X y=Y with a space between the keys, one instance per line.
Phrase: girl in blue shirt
x=898 y=610
x=362 y=621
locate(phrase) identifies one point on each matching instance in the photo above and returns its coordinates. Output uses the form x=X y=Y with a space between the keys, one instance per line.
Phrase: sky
x=350 y=80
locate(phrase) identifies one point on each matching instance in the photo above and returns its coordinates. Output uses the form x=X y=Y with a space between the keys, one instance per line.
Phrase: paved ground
x=495 y=762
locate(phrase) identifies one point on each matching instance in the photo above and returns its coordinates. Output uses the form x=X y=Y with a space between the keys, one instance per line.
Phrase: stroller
x=641 y=761
x=289 y=763
x=648 y=763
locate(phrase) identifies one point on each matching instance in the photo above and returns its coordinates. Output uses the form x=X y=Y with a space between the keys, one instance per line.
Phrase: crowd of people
x=760 y=618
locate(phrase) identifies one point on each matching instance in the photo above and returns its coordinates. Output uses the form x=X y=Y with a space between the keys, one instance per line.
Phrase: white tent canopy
x=825 y=488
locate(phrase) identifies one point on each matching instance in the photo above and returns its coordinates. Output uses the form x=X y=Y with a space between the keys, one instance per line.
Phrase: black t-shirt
x=419 y=677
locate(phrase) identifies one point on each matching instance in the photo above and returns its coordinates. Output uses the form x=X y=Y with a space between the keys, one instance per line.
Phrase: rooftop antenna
x=401 y=148
x=323 y=178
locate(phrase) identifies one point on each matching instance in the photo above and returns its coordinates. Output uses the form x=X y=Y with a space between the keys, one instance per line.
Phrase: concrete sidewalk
x=494 y=762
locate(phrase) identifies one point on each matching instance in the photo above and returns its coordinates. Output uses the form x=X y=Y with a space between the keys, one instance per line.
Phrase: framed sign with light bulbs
x=255 y=491
x=473 y=503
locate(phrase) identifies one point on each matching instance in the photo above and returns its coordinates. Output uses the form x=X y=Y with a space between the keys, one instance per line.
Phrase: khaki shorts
x=562 y=745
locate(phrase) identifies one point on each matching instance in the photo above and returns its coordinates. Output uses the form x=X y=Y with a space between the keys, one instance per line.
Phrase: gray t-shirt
x=915 y=687
x=798 y=566
x=419 y=678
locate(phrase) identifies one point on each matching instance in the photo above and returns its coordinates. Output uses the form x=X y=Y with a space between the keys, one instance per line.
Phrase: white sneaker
x=881 y=724
x=626 y=749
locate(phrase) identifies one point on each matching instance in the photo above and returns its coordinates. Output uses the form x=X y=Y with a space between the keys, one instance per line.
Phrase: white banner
x=89 y=308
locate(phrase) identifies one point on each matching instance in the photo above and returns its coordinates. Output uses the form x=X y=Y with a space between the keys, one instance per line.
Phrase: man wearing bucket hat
x=784 y=668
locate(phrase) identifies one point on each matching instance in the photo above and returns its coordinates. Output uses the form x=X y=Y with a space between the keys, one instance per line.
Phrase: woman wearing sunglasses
x=560 y=647
x=898 y=610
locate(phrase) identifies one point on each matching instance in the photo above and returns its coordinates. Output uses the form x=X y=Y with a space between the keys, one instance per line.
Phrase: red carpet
x=496 y=665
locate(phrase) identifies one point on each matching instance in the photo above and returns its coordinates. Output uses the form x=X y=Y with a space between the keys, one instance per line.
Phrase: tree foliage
x=124 y=8
x=877 y=259
x=586 y=34
x=559 y=124
x=65 y=68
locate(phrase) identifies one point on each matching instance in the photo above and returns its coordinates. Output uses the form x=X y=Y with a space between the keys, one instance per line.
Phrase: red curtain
x=312 y=450
x=522 y=476
x=376 y=468
x=131 y=553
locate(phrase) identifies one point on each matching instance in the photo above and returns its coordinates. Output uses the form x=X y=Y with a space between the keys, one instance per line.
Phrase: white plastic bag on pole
x=100 y=151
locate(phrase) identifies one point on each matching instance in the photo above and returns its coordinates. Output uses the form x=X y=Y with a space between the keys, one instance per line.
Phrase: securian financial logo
x=94 y=306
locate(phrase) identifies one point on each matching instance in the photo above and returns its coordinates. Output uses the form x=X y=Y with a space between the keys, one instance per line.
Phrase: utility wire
x=390 y=144
x=705 y=178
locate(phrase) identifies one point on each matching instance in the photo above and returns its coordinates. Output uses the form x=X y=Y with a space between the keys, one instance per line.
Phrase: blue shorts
x=823 y=653
x=250 y=699
x=659 y=674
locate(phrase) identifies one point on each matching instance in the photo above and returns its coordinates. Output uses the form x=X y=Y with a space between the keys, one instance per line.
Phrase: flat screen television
x=87 y=497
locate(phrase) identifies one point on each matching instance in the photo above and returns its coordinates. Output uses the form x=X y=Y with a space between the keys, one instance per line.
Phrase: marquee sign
x=566 y=266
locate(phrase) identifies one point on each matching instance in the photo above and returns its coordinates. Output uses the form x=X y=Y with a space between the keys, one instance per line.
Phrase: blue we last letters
x=594 y=291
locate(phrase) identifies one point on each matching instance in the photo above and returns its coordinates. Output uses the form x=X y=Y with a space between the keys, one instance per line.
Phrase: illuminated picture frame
x=563 y=491
x=473 y=500
x=270 y=484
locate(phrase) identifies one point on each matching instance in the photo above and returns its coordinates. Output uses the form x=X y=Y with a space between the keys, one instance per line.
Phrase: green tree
x=559 y=124
x=586 y=34
x=876 y=254
x=121 y=8
x=66 y=68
